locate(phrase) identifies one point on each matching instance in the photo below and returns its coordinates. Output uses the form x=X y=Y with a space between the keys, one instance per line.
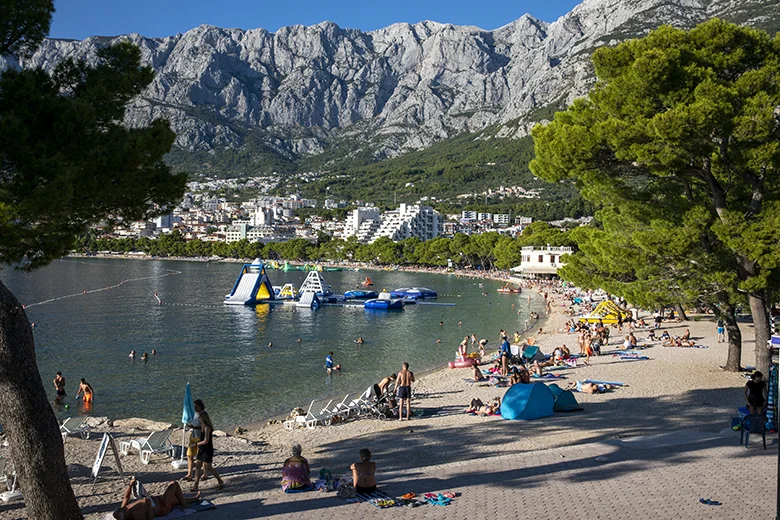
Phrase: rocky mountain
x=305 y=91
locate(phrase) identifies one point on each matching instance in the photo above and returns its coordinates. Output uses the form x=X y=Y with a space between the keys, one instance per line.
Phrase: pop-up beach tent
x=532 y=353
x=564 y=399
x=526 y=402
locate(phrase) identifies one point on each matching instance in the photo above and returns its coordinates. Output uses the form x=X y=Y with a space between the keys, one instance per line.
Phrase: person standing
x=196 y=435
x=403 y=390
x=86 y=389
x=721 y=331
x=329 y=362
x=506 y=352
x=205 y=456
x=59 y=386
x=755 y=393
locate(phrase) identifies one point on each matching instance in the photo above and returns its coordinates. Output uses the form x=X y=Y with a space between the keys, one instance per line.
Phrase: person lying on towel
x=152 y=507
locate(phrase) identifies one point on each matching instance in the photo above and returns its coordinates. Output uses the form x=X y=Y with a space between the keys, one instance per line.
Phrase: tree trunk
x=734 y=358
x=680 y=312
x=762 y=329
x=33 y=433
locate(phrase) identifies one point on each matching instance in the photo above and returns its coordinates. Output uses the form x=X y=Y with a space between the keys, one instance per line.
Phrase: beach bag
x=345 y=490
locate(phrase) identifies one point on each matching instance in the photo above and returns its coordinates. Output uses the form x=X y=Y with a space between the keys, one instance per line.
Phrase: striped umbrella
x=771 y=409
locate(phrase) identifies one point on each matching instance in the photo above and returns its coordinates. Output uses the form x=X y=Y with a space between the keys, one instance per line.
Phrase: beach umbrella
x=187 y=415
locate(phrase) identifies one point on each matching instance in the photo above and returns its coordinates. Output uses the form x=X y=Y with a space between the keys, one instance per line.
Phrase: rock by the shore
x=142 y=424
x=96 y=422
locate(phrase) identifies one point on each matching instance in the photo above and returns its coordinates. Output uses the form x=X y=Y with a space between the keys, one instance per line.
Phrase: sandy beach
x=676 y=389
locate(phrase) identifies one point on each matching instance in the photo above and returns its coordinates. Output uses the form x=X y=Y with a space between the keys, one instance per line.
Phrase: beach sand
x=677 y=388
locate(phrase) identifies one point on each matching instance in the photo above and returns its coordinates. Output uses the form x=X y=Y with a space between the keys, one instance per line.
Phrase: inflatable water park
x=254 y=287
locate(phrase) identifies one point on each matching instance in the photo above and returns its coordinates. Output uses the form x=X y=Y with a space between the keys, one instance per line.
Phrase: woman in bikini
x=364 y=474
x=205 y=456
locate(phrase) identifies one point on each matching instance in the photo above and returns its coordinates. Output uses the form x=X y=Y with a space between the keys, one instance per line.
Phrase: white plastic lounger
x=74 y=426
x=156 y=442
x=343 y=408
x=299 y=421
x=322 y=416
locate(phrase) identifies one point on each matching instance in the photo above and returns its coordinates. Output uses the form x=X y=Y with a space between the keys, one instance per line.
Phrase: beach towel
x=377 y=499
x=195 y=507
x=549 y=376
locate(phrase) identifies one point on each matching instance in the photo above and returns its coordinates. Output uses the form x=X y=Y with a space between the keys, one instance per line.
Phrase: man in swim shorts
x=403 y=390
x=59 y=385
x=329 y=362
x=86 y=388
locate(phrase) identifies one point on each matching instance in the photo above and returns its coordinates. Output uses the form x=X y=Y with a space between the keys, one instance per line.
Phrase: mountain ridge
x=304 y=90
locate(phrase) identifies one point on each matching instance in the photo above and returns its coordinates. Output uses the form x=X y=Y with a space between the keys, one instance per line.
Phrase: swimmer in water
x=441 y=324
x=145 y=357
x=359 y=341
x=299 y=340
x=132 y=354
x=154 y=352
x=270 y=345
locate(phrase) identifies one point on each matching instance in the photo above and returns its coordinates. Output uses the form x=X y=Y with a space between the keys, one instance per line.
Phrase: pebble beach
x=675 y=389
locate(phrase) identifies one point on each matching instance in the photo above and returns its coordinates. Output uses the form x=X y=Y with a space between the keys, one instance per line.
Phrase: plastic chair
x=157 y=442
x=74 y=426
x=753 y=423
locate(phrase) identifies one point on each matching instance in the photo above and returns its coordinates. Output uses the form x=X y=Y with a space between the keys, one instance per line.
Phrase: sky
x=78 y=19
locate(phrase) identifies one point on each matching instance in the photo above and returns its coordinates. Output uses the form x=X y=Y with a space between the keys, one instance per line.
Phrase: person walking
x=403 y=390
x=205 y=456
x=721 y=331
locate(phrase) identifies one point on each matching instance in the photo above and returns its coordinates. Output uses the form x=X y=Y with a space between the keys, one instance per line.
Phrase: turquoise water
x=223 y=350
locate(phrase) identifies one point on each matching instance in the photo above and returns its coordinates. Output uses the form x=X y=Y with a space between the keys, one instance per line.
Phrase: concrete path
x=654 y=477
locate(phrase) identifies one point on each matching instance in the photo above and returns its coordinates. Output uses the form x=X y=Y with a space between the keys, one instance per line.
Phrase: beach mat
x=195 y=507
x=597 y=382
x=377 y=499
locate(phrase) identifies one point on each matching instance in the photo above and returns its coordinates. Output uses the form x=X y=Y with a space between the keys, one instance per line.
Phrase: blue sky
x=81 y=18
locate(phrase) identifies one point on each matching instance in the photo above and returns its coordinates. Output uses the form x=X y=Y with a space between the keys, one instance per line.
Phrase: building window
x=541 y=259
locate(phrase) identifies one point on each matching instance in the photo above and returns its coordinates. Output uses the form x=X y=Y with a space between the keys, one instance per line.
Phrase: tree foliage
x=682 y=125
x=67 y=161
x=66 y=158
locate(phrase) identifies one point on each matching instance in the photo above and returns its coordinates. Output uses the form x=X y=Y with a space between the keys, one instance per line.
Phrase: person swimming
x=132 y=354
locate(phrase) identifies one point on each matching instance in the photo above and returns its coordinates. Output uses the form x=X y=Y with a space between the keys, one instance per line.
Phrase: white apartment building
x=408 y=221
x=484 y=216
x=468 y=216
x=357 y=217
x=541 y=262
x=501 y=218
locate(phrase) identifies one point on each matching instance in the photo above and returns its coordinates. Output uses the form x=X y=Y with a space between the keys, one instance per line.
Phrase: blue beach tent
x=526 y=402
x=566 y=402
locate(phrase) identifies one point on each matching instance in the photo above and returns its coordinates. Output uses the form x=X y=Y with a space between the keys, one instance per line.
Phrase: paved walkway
x=654 y=477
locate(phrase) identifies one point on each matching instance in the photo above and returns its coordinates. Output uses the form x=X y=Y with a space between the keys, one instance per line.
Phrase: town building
x=540 y=262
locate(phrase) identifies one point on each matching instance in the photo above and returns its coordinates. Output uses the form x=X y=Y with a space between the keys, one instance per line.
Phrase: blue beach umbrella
x=187 y=415
x=188 y=412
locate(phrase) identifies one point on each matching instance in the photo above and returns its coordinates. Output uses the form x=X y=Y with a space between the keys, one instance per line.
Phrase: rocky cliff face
x=391 y=90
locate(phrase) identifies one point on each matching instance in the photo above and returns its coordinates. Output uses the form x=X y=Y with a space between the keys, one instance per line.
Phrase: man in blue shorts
x=329 y=362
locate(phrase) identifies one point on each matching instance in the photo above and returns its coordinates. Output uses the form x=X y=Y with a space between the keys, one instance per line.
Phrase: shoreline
x=265 y=421
x=686 y=380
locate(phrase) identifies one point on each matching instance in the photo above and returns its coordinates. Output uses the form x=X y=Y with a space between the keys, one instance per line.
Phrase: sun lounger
x=156 y=442
x=299 y=421
x=321 y=416
x=74 y=426
x=361 y=404
x=343 y=408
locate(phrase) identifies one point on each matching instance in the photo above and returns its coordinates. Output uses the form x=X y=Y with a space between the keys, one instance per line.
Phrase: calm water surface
x=223 y=350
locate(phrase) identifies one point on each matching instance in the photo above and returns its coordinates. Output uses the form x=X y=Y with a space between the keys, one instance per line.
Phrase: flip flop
x=409 y=495
x=709 y=502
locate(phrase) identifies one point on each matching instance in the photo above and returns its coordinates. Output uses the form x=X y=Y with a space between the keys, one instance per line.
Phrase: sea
x=246 y=363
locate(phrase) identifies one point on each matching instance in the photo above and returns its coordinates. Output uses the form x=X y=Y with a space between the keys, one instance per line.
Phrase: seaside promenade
x=650 y=477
